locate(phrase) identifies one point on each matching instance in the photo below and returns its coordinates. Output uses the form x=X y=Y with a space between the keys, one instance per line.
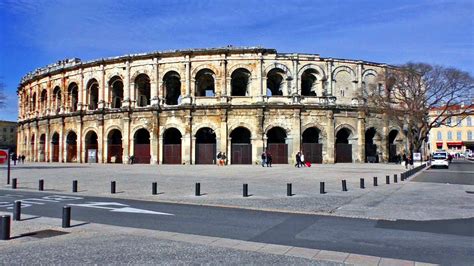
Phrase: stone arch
x=140 y=126
x=172 y=87
x=205 y=80
x=137 y=73
x=209 y=125
x=116 y=91
x=243 y=124
x=372 y=144
x=317 y=125
x=110 y=128
x=73 y=96
x=92 y=94
x=231 y=69
x=71 y=146
x=369 y=72
x=113 y=74
x=172 y=125
x=240 y=82
x=206 y=145
x=342 y=69
x=44 y=99
x=345 y=125
x=114 y=145
x=204 y=66
x=318 y=68
x=142 y=87
x=142 y=138
x=280 y=66
x=91 y=142
x=313 y=138
x=55 y=146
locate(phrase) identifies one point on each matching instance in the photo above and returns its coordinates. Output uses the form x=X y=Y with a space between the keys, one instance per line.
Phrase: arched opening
x=205 y=83
x=392 y=146
x=92 y=147
x=172 y=87
x=42 y=148
x=73 y=96
x=141 y=149
x=241 y=148
x=71 y=147
x=44 y=100
x=309 y=81
x=239 y=83
x=116 y=92
x=93 y=94
x=343 y=147
x=275 y=82
x=370 y=146
x=114 y=146
x=57 y=99
x=33 y=147
x=205 y=146
x=142 y=85
x=33 y=103
x=172 y=146
x=276 y=145
x=312 y=148
x=55 y=147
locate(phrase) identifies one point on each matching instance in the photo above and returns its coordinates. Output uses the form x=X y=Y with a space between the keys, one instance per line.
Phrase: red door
x=241 y=153
x=205 y=153
x=55 y=152
x=313 y=152
x=279 y=152
x=142 y=153
x=114 y=150
x=172 y=154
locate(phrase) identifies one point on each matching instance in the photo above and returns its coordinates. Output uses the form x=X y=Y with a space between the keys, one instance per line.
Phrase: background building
x=455 y=135
x=8 y=135
x=182 y=107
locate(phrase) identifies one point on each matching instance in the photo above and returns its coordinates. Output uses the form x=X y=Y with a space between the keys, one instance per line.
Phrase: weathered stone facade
x=183 y=106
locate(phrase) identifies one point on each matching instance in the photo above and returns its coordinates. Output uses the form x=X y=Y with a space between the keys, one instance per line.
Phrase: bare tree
x=412 y=90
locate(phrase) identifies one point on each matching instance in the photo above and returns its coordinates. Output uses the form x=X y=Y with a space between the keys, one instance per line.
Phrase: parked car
x=440 y=159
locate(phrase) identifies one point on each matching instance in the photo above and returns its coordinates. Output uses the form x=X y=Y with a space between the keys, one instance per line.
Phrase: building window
x=469 y=135
x=469 y=121
x=448 y=121
x=12 y=130
x=459 y=135
x=450 y=135
x=439 y=136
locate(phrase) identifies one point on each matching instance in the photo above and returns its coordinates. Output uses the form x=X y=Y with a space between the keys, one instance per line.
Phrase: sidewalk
x=222 y=186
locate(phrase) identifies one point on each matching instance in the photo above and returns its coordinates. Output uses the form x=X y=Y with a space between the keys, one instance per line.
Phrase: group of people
x=408 y=160
x=300 y=162
x=19 y=158
x=266 y=159
x=221 y=158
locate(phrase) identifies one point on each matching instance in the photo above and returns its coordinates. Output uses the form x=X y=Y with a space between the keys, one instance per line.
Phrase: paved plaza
x=222 y=186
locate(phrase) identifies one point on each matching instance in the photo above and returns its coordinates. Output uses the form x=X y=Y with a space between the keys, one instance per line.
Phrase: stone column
x=187 y=98
x=102 y=91
x=296 y=86
x=223 y=134
x=329 y=77
x=47 y=146
x=101 y=140
x=154 y=142
x=81 y=91
x=126 y=86
x=384 y=141
x=160 y=149
x=80 y=143
x=296 y=135
x=330 y=147
x=154 y=84
x=261 y=87
x=361 y=137
x=126 y=140
x=62 y=144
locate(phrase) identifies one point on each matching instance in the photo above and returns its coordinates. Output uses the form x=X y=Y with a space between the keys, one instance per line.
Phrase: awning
x=454 y=143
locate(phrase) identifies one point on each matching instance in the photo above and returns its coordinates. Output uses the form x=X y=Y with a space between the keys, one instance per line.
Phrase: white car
x=440 y=159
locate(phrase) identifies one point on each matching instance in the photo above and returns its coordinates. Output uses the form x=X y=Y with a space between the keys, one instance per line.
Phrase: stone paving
x=222 y=186
x=80 y=245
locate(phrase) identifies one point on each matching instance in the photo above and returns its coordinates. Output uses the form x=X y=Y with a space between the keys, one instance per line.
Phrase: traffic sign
x=3 y=156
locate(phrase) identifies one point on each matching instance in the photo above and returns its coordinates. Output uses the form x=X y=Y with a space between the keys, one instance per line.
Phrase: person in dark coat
x=264 y=159
x=405 y=160
x=14 y=158
x=298 y=160
x=23 y=159
x=269 y=159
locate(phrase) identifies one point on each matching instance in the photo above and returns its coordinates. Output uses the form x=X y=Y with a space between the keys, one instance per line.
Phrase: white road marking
x=117 y=207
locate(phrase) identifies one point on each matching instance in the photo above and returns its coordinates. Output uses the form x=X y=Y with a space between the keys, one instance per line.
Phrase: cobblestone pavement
x=222 y=186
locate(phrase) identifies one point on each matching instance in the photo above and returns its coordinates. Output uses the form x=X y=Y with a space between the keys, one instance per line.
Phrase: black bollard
x=113 y=186
x=375 y=181
x=74 y=186
x=197 y=191
x=41 y=185
x=402 y=177
x=154 y=188
x=17 y=211
x=245 y=190
x=66 y=216
x=5 y=227
x=362 y=183
x=289 y=189
x=344 y=185
x=395 y=178
x=14 y=183
x=387 y=179
x=321 y=188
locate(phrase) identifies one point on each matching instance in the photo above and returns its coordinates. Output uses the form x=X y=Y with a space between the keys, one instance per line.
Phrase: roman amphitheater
x=184 y=106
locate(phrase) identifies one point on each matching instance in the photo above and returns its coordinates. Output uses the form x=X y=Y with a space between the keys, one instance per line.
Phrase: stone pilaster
x=330 y=147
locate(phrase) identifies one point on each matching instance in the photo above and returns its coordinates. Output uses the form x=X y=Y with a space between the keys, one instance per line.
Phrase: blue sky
x=36 y=33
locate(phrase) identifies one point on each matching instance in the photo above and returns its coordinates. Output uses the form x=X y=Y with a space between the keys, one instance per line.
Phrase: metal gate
x=205 y=153
x=92 y=147
x=71 y=152
x=142 y=153
x=392 y=153
x=343 y=153
x=279 y=152
x=172 y=154
x=371 y=153
x=114 y=150
x=55 y=152
x=313 y=152
x=241 y=153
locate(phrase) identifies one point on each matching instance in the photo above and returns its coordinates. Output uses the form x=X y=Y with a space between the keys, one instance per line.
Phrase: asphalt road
x=446 y=242
x=460 y=172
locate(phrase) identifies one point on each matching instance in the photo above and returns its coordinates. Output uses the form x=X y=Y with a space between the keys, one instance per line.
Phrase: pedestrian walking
x=405 y=160
x=303 y=163
x=298 y=159
x=223 y=158
x=264 y=159
x=218 y=158
x=23 y=159
x=14 y=158
x=269 y=159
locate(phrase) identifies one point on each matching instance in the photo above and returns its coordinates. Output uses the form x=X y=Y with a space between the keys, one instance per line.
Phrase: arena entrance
x=205 y=146
x=312 y=149
x=42 y=148
x=91 y=144
x=241 y=147
x=172 y=146
x=392 y=146
x=370 y=146
x=276 y=145
x=114 y=146
x=55 y=147
x=71 y=147
x=343 y=148
x=141 y=147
